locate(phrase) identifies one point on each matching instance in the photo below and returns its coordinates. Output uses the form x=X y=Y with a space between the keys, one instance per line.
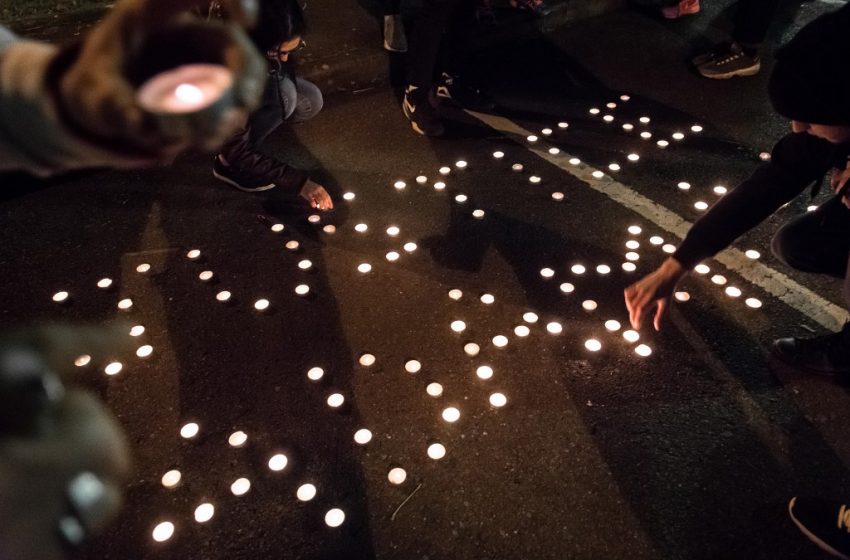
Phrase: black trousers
x=753 y=20
x=442 y=30
x=818 y=242
x=391 y=7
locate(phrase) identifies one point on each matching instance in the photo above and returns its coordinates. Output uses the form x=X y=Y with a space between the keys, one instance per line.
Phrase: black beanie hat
x=811 y=80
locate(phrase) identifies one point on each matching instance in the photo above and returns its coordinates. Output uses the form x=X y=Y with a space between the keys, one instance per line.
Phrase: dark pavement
x=690 y=453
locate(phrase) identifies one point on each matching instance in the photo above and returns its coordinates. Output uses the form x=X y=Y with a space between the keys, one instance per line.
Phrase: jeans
x=818 y=242
x=284 y=100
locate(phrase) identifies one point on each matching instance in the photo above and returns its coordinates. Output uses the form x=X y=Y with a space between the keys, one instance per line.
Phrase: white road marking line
x=796 y=296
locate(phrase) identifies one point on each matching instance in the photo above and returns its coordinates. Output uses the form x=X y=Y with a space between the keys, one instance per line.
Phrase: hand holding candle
x=656 y=287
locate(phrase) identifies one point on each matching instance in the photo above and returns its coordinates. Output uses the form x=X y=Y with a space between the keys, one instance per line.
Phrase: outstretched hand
x=653 y=289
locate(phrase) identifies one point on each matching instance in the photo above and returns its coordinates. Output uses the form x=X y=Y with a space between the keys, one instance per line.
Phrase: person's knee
x=310 y=101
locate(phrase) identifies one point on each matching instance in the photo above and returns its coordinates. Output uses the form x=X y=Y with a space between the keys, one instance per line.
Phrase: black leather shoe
x=826 y=355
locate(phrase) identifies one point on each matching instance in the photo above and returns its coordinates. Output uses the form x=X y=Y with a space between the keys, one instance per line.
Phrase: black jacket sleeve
x=797 y=161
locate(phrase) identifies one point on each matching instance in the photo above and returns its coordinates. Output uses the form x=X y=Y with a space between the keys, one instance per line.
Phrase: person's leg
x=752 y=22
x=395 y=39
x=391 y=7
x=309 y=101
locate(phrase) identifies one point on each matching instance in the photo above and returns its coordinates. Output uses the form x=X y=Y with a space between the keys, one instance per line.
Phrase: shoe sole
x=811 y=536
x=725 y=76
x=236 y=185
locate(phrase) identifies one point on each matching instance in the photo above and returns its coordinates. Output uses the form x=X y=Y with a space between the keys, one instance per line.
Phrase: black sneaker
x=255 y=173
x=418 y=110
x=453 y=90
x=735 y=62
x=717 y=52
x=827 y=524
x=827 y=355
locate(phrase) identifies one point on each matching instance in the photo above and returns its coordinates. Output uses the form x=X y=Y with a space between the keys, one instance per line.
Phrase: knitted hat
x=811 y=80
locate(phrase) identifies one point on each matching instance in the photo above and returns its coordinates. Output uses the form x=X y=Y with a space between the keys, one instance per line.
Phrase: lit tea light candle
x=144 y=351
x=593 y=345
x=436 y=451
x=575 y=161
x=237 y=439
x=397 y=475
x=189 y=430
x=314 y=218
x=554 y=151
x=367 y=360
x=400 y=185
x=163 y=531
x=646 y=135
x=632 y=244
x=455 y=294
x=517 y=167
x=633 y=157
x=765 y=156
x=629 y=266
x=461 y=164
x=812 y=208
x=206 y=276
x=458 y=326
x=554 y=327
x=421 y=179
x=439 y=186
x=261 y=304
x=563 y=125
x=125 y=304
x=412 y=366
x=445 y=170
x=685 y=186
x=113 y=368
x=434 y=389
x=471 y=349
x=718 y=279
x=204 y=512
x=594 y=111
x=487 y=299
x=82 y=361
x=644 y=120
x=720 y=190
x=410 y=247
x=478 y=214
x=392 y=231
x=700 y=205
x=628 y=127
x=612 y=325
x=732 y=291
x=292 y=245
x=624 y=97
x=451 y=414
x=362 y=436
x=682 y=296
x=143 y=268
x=315 y=373
x=461 y=198
x=678 y=136
x=611 y=105
x=635 y=230
x=632 y=256
x=557 y=196
x=330 y=229
x=603 y=269
x=656 y=240
x=643 y=350
x=364 y=268
x=498 y=400
x=530 y=317
x=702 y=269
x=567 y=288
x=302 y=290
x=240 y=486
x=534 y=179
x=614 y=167
x=349 y=196
x=498 y=154
x=598 y=174
x=522 y=331
x=608 y=118
x=696 y=128
x=547 y=272
x=753 y=302
x=193 y=255
x=335 y=400
x=393 y=256
x=532 y=138
x=668 y=248
x=500 y=341
x=306 y=492
x=484 y=372
x=752 y=254
x=334 y=518
x=104 y=283
x=223 y=296
x=361 y=228
x=589 y=305
x=631 y=336
x=61 y=297
x=662 y=143
x=171 y=479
